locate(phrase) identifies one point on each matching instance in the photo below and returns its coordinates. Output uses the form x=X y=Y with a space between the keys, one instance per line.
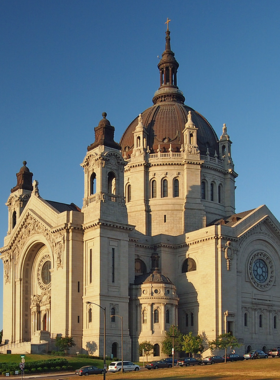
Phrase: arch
x=92 y=183
x=14 y=218
x=203 y=190
x=138 y=141
x=153 y=188
x=245 y=319
x=224 y=150
x=44 y=322
x=140 y=267
x=189 y=265
x=220 y=188
x=264 y=349
x=156 y=316
x=144 y=316
x=275 y=322
x=113 y=313
x=260 y=321
x=156 y=350
x=249 y=348
x=115 y=350
x=164 y=188
x=175 y=187
x=167 y=319
x=111 y=183
x=191 y=138
x=90 y=315
x=128 y=192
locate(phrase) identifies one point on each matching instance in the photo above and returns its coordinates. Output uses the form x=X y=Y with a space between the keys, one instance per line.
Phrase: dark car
x=189 y=361
x=255 y=354
x=274 y=352
x=169 y=360
x=89 y=370
x=158 y=364
x=234 y=357
x=212 y=359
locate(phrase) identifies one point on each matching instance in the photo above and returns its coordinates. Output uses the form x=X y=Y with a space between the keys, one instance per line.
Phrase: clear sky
x=64 y=62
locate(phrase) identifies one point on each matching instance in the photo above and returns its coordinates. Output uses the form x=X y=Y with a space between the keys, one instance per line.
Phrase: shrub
x=64 y=367
x=58 y=368
x=39 y=369
x=45 y=369
x=33 y=369
x=26 y=371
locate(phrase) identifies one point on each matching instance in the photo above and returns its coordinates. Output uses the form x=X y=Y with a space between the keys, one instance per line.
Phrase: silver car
x=255 y=354
x=127 y=366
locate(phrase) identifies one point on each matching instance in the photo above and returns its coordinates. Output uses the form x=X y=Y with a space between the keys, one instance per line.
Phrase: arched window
x=128 y=193
x=156 y=316
x=14 y=218
x=90 y=315
x=45 y=322
x=156 y=350
x=260 y=320
x=140 y=267
x=220 y=194
x=167 y=316
x=164 y=192
x=111 y=183
x=275 y=322
x=191 y=138
x=212 y=192
x=203 y=190
x=223 y=150
x=114 y=350
x=154 y=189
x=93 y=184
x=245 y=319
x=113 y=312
x=138 y=141
x=189 y=265
x=249 y=348
x=187 y=320
x=175 y=187
x=144 y=314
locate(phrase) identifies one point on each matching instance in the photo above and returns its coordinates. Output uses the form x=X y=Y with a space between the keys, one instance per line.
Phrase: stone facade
x=156 y=243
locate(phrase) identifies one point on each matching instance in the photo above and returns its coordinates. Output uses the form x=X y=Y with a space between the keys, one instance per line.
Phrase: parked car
x=127 y=366
x=169 y=360
x=255 y=354
x=274 y=352
x=158 y=364
x=89 y=370
x=189 y=361
x=233 y=357
x=212 y=359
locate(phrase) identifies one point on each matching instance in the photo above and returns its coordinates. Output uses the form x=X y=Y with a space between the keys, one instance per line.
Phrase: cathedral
x=156 y=242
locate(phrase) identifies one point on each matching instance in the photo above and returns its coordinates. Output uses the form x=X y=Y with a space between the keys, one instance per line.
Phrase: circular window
x=46 y=274
x=156 y=291
x=261 y=270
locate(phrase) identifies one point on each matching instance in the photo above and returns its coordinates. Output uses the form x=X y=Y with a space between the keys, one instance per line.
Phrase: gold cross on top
x=167 y=22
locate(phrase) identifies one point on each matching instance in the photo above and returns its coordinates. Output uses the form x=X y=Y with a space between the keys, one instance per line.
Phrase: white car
x=127 y=366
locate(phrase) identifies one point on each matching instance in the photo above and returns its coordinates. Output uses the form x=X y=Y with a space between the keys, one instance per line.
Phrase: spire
x=24 y=179
x=104 y=134
x=168 y=67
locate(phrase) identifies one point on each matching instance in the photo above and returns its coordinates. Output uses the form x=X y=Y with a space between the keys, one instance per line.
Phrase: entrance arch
x=115 y=350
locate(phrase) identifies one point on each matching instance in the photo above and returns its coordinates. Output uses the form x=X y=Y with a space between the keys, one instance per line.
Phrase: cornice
x=126 y=227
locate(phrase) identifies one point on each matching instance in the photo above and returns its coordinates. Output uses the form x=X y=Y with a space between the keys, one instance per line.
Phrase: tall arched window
x=144 y=320
x=128 y=193
x=154 y=189
x=111 y=183
x=203 y=190
x=90 y=315
x=114 y=350
x=156 y=350
x=156 y=316
x=212 y=192
x=220 y=194
x=167 y=316
x=260 y=320
x=113 y=312
x=164 y=188
x=274 y=322
x=93 y=184
x=140 y=267
x=14 y=218
x=189 y=265
x=245 y=319
x=175 y=187
x=138 y=141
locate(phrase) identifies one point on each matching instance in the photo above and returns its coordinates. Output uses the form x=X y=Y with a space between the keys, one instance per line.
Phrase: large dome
x=166 y=119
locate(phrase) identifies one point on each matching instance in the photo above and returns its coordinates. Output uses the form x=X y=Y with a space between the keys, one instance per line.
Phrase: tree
x=64 y=343
x=145 y=347
x=172 y=334
x=223 y=342
x=192 y=344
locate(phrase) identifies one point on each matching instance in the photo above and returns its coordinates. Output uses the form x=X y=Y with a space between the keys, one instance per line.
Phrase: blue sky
x=64 y=62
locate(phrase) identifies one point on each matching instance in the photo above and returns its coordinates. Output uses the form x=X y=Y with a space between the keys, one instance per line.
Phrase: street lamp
x=121 y=318
x=104 y=351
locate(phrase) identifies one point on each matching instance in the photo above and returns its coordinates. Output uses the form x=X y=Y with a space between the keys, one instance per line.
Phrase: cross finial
x=167 y=22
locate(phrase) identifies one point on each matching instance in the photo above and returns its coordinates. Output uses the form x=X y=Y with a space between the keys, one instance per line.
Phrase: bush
x=39 y=369
x=64 y=367
x=33 y=369
x=26 y=371
x=58 y=368
x=45 y=369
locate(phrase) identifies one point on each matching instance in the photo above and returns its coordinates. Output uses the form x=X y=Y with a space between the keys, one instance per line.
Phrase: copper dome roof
x=166 y=119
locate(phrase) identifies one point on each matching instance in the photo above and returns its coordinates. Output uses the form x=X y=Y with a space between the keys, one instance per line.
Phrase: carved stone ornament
x=228 y=253
x=31 y=227
x=261 y=270
x=43 y=273
x=7 y=267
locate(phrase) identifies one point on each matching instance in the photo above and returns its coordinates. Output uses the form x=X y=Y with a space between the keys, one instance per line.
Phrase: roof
x=153 y=277
x=61 y=207
x=231 y=220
